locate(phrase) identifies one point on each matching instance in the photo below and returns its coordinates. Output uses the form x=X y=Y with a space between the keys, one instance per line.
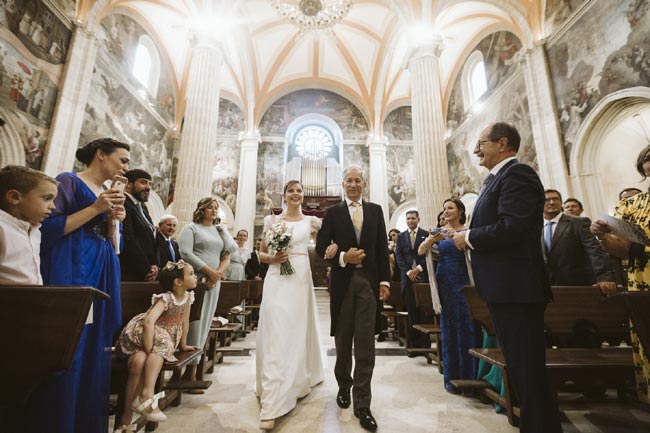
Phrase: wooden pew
x=136 y=299
x=423 y=301
x=230 y=295
x=395 y=314
x=573 y=306
x=254 y=300
x=46 y=323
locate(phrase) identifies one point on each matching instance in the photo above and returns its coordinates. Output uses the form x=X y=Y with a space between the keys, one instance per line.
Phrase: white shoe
x=267 y=424
x=153 y=415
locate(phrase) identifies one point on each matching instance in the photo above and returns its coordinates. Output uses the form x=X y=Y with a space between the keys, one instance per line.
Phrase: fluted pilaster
x=431 y=170
x=199 y=135
x=247 y=184
x=72 y=98
x=378 y=183
x=546 y=130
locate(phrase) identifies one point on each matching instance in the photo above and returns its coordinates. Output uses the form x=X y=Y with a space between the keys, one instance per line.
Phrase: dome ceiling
x=362 y=58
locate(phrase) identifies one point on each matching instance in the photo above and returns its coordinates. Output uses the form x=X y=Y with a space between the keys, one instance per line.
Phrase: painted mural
x=231 y=119
x=112 y=111
x=33 y=45
x=120 y=36
x=270 y=175
x=400 y=174
x=557 y=12
x=398 y=125
x=499 y=57
x=511 y=106
x=38 y=29
x=606 y=50
x=225 y=170
x=279 y=116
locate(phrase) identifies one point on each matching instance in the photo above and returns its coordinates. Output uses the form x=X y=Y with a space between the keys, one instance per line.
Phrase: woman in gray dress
x=238 y=258
x=207 y=248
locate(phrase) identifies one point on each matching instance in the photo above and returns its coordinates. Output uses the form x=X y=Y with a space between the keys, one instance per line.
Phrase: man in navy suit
x=359 y=282
x=509 y=273
x=413 y=268
x=168 y=250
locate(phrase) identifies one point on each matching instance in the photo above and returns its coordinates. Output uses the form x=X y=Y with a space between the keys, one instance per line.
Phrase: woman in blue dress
x=456 y=328
x=78 y=248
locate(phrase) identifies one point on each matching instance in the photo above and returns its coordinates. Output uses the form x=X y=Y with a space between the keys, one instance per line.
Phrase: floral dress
x=167 y=332
x=637 y=210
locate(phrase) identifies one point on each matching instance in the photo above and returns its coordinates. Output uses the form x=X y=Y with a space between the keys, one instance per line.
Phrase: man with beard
x=139 y=257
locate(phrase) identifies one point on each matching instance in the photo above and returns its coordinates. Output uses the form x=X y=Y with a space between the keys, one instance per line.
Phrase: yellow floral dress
x=167 y=331
x=637 y=210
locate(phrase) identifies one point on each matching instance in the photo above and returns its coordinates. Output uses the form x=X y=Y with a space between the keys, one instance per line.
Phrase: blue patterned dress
x=456 y=327
x=76 y=400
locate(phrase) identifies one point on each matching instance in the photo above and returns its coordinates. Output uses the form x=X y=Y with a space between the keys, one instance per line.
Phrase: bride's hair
x=289 y=184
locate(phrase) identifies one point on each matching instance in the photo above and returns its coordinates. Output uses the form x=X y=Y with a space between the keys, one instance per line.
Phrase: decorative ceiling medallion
x=312 y=15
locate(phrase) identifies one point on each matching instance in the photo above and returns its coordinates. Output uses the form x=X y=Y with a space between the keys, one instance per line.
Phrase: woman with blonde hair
x=207 y=247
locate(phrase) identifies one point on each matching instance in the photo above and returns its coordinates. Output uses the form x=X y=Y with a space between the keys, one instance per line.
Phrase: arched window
x=313 y=142
x=474 y=80
x=146 y=65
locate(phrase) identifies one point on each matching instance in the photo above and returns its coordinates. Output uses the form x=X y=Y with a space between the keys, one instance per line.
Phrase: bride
x=288 y=360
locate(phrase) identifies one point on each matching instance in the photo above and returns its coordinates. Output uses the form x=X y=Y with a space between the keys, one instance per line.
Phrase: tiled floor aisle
x=408 y=396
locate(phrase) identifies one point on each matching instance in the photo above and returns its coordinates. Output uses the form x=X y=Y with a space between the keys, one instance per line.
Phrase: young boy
x=26 y=199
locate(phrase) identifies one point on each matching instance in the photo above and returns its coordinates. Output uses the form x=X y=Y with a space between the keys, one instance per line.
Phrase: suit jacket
x=507 y=260
x=164 y=255
x=255 y=268
x=405 y=254
x=576 y=258
x=337 y=227
x=140 y=250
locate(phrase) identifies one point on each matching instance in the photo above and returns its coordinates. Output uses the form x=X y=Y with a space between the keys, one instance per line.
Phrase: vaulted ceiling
x=363 y=58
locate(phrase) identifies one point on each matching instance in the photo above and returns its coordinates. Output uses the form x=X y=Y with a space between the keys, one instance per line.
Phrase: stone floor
x=408 y=396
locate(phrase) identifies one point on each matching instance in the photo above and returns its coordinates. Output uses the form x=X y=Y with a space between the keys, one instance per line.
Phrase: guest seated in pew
x=26 y=199
x=207 y=247
x=238 y=258
x=79 y=249
x=456 y=328
x=635 y=209
x=151 y=338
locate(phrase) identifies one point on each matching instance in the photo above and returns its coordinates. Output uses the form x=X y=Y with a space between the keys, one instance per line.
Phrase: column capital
x=377 y=142
x=431 y=48
x=204 y=39
x=249 y=138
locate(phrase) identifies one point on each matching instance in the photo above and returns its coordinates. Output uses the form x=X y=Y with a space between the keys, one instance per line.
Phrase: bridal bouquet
x=277 y=239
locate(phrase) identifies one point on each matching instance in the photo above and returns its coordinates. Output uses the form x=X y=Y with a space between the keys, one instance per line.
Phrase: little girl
x=151 y=338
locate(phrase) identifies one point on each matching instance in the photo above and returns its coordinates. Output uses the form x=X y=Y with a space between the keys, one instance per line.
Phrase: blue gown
x=456 y=328
x=76 y=400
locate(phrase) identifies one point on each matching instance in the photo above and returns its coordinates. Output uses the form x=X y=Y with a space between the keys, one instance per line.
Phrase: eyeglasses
x=479 y=144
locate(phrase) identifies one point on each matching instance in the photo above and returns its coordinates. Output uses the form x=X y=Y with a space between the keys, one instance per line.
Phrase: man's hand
x=354 y=256
x=607 y=288
x=413 y=274
x=384 y=292
x=459 y=240
x=152 y=274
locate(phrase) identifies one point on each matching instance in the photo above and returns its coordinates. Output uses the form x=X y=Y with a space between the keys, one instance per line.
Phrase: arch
x=11 y=144
x=469 y=92
x=583 y=162
x=153 y=74
x=400 y=212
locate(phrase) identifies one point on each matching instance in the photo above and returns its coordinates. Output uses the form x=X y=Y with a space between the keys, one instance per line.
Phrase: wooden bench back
x=255 y=293
x=229 y=296
x=423 y=300
x=244 y=291
x=571 y=306
x=395 y=299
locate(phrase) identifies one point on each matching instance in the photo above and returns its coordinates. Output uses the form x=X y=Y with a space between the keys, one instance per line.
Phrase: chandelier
x=312 y=15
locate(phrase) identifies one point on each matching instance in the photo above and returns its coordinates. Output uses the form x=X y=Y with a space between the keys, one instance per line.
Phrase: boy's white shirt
x=20 y=251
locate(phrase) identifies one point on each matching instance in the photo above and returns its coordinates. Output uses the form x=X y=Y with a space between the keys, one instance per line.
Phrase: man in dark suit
x=574 y=257
x=508 y=270
x=256 y=270
x=168 y=250
x=359 y=282
x=413 y=268
x=139 y=257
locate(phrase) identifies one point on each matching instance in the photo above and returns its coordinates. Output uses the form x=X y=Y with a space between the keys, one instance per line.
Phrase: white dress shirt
x=20 y=251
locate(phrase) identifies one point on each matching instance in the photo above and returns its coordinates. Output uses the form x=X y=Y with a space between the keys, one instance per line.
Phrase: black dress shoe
x=343 y=398
x=381 y=337
x=366 y=419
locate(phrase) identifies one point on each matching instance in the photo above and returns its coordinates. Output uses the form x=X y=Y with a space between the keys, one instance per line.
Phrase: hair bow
x=170 y=266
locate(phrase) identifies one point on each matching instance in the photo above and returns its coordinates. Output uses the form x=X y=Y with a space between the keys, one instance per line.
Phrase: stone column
x=546 y=129
x=431 y=170
x=199 y=134
x=247 y=185
x=63 y=139
x=377 y=182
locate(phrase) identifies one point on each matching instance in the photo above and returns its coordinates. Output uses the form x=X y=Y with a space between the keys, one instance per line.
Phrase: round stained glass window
x=313 y=142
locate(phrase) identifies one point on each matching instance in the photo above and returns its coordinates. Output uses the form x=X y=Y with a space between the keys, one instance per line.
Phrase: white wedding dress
x=288 y=362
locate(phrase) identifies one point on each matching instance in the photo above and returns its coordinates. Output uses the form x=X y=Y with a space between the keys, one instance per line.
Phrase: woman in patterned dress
x=635 y=209
x=150 y=339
